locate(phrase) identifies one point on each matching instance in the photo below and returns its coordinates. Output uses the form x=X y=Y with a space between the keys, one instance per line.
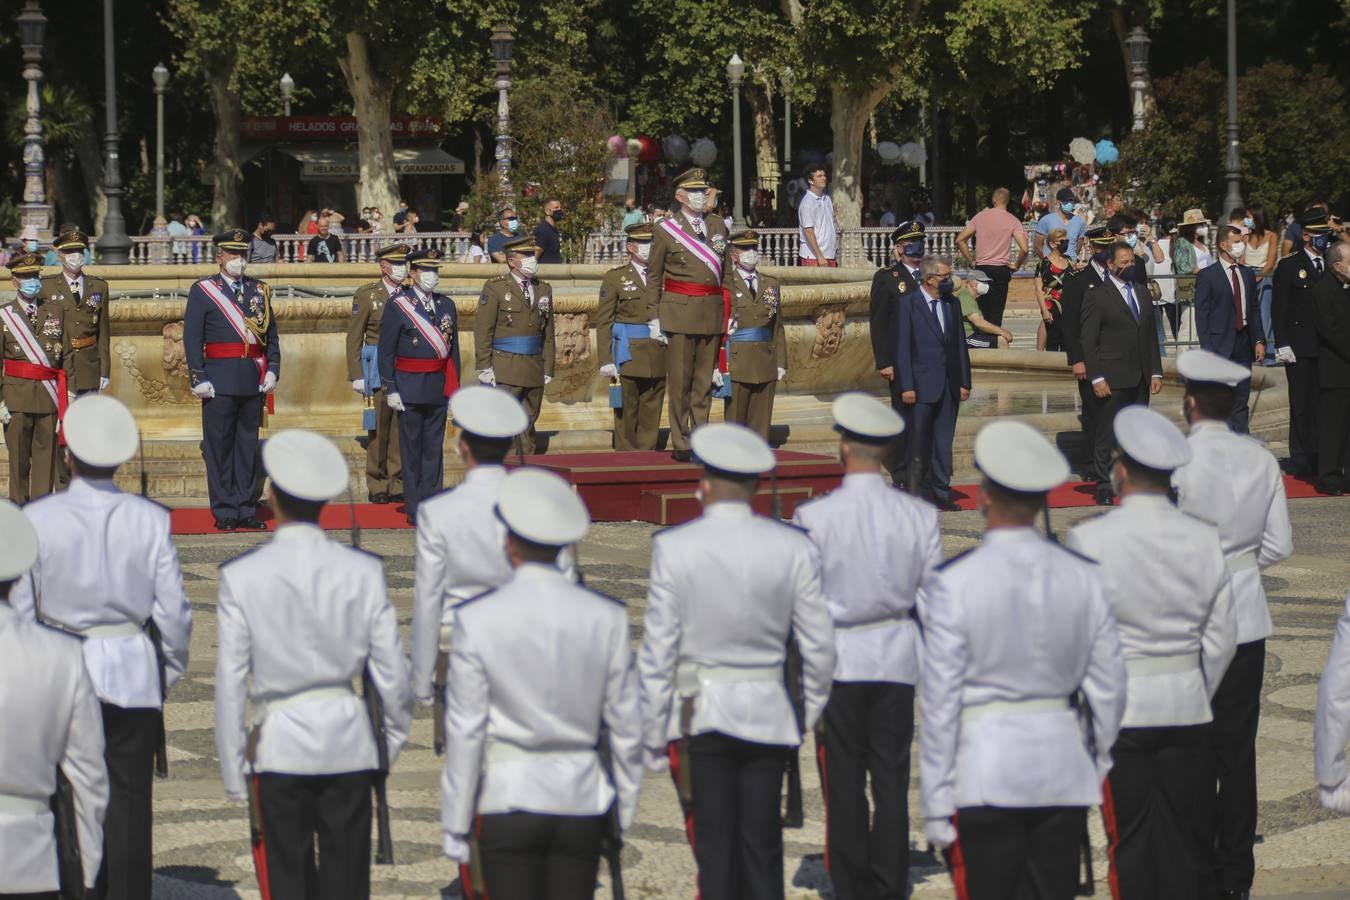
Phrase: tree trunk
x=850 y=111
x=767 y=167
x=90 y=158
x=227 y=176
x=371 y=98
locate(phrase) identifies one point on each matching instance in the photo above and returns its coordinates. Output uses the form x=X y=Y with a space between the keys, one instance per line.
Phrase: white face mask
x=234 y=266
x=643 y=251
x=1237 y=249
x=981 y=288
x=696 y=200
x=428 y=280
x=398 y=272
x=1201 y=233
x=529 y=265
x=749 y=259
x=73 y=261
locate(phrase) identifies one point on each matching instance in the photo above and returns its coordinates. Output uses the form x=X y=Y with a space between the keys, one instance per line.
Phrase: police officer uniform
x=629 y=341
x=299 y=618
x=34 y=381
x=531 y=715
x=86 y=323
x=1233 y=482
x=727 y=592
x=877 y=547
x=1293 y=321
x=108 y=572
x=756 y=349
x=53 y=726
x=1013 y=629
x=1330 y=299
x=384 y=476
x=685 y=287
x=419 y=364
x=890 y=284
x=234 y=361
x=1167 y=582
x=513 y=336
x=1076 y=284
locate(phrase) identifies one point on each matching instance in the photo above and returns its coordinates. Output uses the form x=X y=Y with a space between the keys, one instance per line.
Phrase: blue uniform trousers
x=230 y=426
x=421 y=440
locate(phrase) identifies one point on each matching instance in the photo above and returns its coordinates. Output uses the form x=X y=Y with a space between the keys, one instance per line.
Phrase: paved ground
x=201 y=839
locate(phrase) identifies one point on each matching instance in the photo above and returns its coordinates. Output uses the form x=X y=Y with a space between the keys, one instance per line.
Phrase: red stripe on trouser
x=958 y=863
x=1112 y=838
x=825 y=795
x=260 y=849
x=466 y=870
x=673 y=754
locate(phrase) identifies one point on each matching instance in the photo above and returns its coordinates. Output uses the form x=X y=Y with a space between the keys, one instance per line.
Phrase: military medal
x=1302 y=273
x=93 y=300
x=719 y=243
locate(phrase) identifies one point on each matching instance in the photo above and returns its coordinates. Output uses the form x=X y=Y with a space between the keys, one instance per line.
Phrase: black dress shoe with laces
x=251 y=523
x=226 y=524
x=379 y=499
x=682 y=455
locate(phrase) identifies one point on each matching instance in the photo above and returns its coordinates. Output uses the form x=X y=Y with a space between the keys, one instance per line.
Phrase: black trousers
x=868 y=727
x=128 y=850
x=1158 y=813
x=1240 y=419
x=421 y=442
x=530 y=856
x=1333 y=439
x=995 y=301
x=1237 y=712
x=1017 y=854
x=932 y=430
x=1104 y=420
x=46 y=895
x=897 y=455
x=738 y=824
x=230 y=448
x=1303 y=424
x=296 y=811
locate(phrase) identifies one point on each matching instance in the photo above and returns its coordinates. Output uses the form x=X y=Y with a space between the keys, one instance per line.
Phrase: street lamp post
x=1137 y=44
x=736 y=71
x=501 y=41
x=160 y=74
x=287 y=90
x=114 y=247
x=36 y=212
x=1233 y=199
x=787 y=122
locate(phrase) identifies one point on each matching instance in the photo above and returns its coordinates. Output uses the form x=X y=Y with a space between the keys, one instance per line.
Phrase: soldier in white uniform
x=53 y=721
x=877 y=546
x=299 y=618
x=532 y=710
x=726 y=591
x=108 y=572
x=1233 y=482
x=1167 y=581
x=1331 y=730
x=1016 y=631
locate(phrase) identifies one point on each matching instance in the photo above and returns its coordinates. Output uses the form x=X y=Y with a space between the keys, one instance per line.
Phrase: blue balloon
x=1106 y=152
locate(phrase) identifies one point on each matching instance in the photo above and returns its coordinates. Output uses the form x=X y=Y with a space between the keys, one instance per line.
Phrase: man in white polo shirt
x=817 y=231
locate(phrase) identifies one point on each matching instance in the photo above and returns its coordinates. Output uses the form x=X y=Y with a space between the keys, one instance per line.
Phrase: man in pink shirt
x=995 y=230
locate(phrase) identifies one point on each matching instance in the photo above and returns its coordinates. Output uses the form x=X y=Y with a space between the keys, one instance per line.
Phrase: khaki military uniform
x=384 y=467
x=693 y=323
x=624 y=300
x=753 y=365
x=505 y=311
x=30 y=435
x=87 y=328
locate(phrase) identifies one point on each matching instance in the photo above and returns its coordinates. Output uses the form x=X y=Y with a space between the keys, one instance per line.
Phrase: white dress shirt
x=1331 y=728
x=877 y=546
x=525 y=706
x=934 y=304
x=1167 y=581
x=1233 y=482
x=725 y=589
x=51 y=718
x=1016 y=621
x=106 y=558
x=301 y=613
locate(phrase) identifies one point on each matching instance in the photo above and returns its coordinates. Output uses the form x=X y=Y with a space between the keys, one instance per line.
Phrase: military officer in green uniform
x=513 y=332
x=631 y=345
x=384 y=471
x=684 y=285
x=756 y=349
x=84 y=318
x=33 y=381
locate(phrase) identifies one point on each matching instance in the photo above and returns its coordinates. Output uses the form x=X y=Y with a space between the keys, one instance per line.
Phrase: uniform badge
x=1302 y=273
x=545 y=304
x=447 y=324
x=771 y=299
x=51 y=328
x=719 y=243
x=356 y=307
x=482 y=299
x=93 y=301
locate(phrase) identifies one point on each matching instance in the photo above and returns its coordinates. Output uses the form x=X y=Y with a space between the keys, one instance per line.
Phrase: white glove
x=609 y=371
x=782 y=373
x=488 y=377
x=204 y=389
x=395 y=402
x=1337 y=798
x=655 y=760
x=1286 y=355
x=359 y=385
x=269 y=383
x=941 y=833
x=547 y=379
x=239 y=797
x=655 y=332
x=455 y=847
x=4 y=414
x=717 y=377
x=103 y=383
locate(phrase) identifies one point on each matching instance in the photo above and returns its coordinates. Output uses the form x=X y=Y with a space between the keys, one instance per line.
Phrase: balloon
x=913 y=154
x=1106 y=152
x=648 y=150
x=675 y=149
x=618 y=147
x=1082 y=151
x=634 y=147
x=703 y=153
x=889 y=151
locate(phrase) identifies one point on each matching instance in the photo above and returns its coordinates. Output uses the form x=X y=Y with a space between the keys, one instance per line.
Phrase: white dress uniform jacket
x=1167 y=581
x=1332 y=725
x=298 y=618
x=724 y=591
x=1013 y=629
x=1234 y=482
x=525 y=705
x=52 y=718
x=106 y=566
x=876 y=546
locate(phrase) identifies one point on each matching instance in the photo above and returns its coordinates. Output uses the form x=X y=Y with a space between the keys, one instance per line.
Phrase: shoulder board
x=474 y=599
x=497 y=278
x=620 y=267
x=957 y=558
x=786 y=524
x=51 y=278
x=251 y=550
x=1072 y=552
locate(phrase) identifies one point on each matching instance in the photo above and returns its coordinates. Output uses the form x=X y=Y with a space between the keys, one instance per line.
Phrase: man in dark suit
x=1120 y=350
x=1331 y=308
x=1228 y=315
x=932 y=370
x=1099 y=239
x=889 y=285
x=1292 y=321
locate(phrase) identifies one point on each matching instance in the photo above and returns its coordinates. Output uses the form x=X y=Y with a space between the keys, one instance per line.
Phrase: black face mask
x=1062 y=246
x=1126 y=274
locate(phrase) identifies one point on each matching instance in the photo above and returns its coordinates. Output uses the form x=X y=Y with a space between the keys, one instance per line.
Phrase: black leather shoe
x=226 y=524
x=1235 y=895
x=379 y=499
x=682 y=455
x=251 y=523
x=946 y=504
x=1104 y=496
x=396 y=498
x=412 y=519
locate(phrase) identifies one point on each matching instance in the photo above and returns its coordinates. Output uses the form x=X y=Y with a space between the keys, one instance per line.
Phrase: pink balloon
x=618 y=147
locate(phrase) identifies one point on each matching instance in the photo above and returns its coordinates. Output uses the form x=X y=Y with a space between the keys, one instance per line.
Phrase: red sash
x=430 y=367
x=232 y=314
x=17 y=368
x=690 y=289
x=233 y=351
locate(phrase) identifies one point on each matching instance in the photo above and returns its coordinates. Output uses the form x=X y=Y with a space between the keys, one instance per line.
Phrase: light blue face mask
x=513 y=225
x=1131 y=240
x=30 y=286
x=31 y=246
x=1249 y=223
x=1068 y=207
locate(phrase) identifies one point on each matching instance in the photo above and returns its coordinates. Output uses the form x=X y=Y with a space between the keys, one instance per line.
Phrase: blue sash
x=619 y=337
x=521 y=345
x=615 y=396
x=762 y=333
x=370 y=370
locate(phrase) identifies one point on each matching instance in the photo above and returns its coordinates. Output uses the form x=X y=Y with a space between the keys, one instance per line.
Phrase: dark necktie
x=938 y=312
x=698 y=227
x=1237 y=298
x=1129 y=298
x=1317 y=264
x=751 y=281
x=75 y=291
